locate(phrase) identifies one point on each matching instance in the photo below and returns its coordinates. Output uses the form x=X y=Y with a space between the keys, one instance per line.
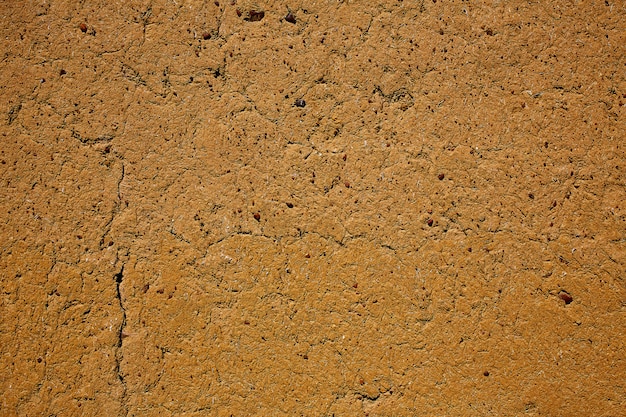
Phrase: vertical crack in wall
x=119 y=184
x=119 y=354
x=116 y=209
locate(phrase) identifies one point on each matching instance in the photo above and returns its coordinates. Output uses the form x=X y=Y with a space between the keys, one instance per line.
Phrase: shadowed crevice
x=119 y=355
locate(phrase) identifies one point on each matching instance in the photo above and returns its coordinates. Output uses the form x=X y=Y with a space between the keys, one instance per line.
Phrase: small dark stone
x=206 y=36
x=486 y=373
x=291 y=18
x=441 y=176
x=257 y=216
x=83 y=27
x=62 y=72
x=290 y=205
x=566 y=297
x=300 y=103
x=430 y=222
x=255 y=16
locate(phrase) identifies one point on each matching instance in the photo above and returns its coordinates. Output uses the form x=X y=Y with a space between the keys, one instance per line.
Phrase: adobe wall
x=383 y=208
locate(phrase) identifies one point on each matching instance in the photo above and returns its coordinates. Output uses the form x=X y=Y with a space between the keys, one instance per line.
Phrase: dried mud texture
x=377 y=208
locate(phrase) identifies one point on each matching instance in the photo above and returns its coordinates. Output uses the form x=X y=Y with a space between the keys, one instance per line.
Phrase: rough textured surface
x=318 y=208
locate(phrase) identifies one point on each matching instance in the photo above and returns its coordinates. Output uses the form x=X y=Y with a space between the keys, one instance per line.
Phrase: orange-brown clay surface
x=313 y=208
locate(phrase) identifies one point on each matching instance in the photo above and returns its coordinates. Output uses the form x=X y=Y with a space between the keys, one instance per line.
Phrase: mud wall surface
x=348 y=208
